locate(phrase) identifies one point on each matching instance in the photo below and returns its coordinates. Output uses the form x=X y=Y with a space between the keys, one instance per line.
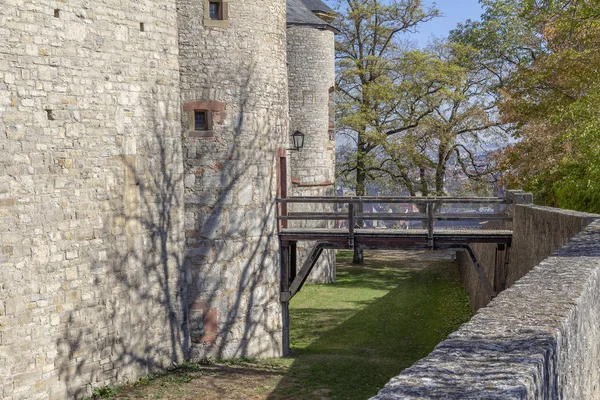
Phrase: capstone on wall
x=238 y=74
x=311 y=67
x=90 y=195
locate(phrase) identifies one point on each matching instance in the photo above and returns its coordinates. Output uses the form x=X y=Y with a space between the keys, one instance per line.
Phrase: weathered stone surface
x=540 y=231
x=311 y=67
x=90 y=195
x=239 y=75
x=129 y=242
x=539 y=339
x=537 y=233
x=486 y=256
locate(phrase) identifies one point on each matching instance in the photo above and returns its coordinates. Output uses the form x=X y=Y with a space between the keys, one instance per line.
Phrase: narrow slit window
x=56 y=13
x=200 y=121
x=142 y=28
x=214 y=10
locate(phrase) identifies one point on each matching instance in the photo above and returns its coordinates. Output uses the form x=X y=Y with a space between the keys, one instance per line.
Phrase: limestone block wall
x=238 y=74
x=539 y=339
x=90 y=195
x=311 y=67
x=537 y=233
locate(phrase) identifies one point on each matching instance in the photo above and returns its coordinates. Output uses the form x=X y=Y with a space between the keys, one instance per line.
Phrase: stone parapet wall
x=311 y=67
x=91 y=209
x=537 y=232
x=238 y=73
x=539 y=339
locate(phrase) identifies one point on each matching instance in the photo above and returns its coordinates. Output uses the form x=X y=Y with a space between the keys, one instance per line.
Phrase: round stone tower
x=311 y=69
x=234 y=116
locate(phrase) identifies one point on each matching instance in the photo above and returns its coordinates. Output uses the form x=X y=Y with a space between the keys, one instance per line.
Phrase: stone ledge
x=539 y=339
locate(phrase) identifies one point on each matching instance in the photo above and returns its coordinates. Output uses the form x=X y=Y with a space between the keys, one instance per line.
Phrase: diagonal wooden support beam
x=302 y=275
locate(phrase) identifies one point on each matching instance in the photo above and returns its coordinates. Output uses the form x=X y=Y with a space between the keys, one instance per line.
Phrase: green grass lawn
x=349 y=338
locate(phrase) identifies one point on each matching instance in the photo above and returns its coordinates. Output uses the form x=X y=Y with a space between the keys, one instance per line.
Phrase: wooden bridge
x=432 y=223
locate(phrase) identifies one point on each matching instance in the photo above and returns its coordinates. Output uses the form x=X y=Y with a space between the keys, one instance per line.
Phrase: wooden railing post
x=430 y=225
x=351 y=224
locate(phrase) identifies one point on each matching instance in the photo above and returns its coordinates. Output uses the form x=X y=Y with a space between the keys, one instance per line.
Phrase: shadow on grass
x=348 y=347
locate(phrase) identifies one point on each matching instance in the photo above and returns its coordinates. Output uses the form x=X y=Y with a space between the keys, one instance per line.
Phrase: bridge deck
x=390 y=238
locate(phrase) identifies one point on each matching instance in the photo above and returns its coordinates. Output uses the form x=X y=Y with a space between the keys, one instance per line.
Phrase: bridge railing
x=430 y=209
x=426 y=211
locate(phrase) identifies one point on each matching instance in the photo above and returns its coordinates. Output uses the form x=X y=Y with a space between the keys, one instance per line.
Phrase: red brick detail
x=298 y=183
x=211 y=327
x=295 y=180
x=7 y=202
x=215 y=106
x=200 y=134
x=210 y=321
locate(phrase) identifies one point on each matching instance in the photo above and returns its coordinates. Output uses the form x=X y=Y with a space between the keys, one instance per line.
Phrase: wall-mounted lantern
x=298 y=138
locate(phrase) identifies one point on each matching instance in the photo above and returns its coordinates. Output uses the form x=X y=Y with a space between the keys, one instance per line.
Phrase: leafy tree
x=451 y=138
x=551 y=98
x=412 y=116
x=381 y=89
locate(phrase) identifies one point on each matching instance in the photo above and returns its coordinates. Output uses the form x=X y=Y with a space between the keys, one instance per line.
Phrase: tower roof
x=318 y=6
x=299 y=12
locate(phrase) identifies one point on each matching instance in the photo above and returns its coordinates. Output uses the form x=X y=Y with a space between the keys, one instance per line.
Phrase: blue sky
x=453 y=11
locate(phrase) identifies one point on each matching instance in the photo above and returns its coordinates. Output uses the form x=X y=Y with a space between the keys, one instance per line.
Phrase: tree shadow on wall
x=171 y=286
x=232 y=253
x=133 y=321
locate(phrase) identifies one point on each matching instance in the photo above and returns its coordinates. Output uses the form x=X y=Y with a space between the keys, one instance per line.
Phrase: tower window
x=214 y=10
x=216 y=13
x=200 y=121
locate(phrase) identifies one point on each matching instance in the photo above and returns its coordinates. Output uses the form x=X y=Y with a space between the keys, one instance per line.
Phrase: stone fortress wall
x=91 y=195
x=538 y=339
x=238 y=74
x=130 y=240
x=311 y=67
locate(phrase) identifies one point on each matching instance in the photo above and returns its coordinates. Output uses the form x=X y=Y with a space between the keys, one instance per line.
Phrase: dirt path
x=226 y=382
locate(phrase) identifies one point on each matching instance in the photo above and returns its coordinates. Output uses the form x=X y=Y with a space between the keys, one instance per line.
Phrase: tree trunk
x=361 y=176
x=359 y=258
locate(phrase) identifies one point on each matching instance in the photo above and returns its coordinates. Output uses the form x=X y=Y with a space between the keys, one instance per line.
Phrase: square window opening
x=200 y=121
x=214 y=10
